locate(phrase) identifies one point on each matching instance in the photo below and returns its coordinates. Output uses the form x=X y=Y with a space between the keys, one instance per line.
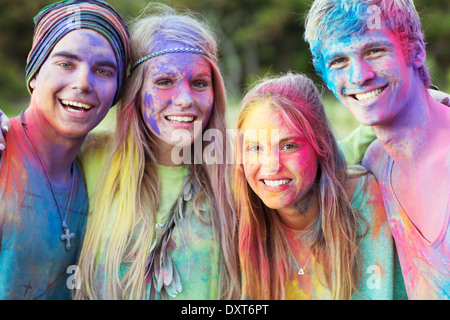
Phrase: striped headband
x=54 y=21
x=172 y=50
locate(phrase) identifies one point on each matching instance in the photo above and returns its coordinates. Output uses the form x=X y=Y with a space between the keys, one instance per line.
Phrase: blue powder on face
x=151 y=121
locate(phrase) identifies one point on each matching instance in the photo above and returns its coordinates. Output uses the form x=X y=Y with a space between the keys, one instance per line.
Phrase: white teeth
x=368 y=95
x=76 y=104
x=276 y=183
x=180 y=119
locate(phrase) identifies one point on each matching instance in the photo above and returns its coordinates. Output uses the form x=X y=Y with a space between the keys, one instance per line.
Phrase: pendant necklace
x=66 y=235
x=300 y=269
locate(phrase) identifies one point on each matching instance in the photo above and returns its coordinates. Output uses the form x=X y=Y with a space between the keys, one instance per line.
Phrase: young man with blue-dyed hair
x=371 y=54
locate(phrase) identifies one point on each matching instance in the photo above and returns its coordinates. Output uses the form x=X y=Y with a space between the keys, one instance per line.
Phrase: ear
x=419 y=55
x=33 y=83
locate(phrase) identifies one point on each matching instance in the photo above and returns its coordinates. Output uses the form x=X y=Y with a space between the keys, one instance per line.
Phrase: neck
x=415 y=131
x=56 y=151
x=166 y=158
x=302 y=213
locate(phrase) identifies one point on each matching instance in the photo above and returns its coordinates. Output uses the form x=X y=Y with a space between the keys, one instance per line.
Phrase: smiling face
x=370 y=75
x=280 y=175
x=75 y=87
x=177 y=91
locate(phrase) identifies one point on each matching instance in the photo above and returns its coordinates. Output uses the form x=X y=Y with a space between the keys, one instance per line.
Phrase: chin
x=275 y=205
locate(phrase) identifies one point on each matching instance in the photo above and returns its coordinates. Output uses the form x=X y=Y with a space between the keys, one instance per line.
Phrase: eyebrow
x=379 y=43
x=292 y=138
x=281 y=140
x=68 y=55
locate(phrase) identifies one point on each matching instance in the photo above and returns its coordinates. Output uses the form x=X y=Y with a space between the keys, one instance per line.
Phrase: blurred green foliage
x=256 y=38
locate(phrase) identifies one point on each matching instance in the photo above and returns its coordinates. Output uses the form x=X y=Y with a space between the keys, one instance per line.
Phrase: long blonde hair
x=262 y=240
x=131 y=174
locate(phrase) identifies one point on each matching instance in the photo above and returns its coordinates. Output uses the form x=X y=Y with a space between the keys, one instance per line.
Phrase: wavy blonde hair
x=263 y=246
x=131 y=174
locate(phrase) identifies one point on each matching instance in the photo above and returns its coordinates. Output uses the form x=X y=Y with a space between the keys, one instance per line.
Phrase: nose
x=183 y=96
x=270 y=163
x=82 y=80
x=360 y=72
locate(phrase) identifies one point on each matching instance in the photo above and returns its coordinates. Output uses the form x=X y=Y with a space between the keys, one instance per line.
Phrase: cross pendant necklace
x=66 y=235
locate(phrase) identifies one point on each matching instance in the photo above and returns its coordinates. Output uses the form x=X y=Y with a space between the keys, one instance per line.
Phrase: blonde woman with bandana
x=159 y=229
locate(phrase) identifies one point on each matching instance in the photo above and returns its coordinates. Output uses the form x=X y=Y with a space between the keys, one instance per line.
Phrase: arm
x=5 y=124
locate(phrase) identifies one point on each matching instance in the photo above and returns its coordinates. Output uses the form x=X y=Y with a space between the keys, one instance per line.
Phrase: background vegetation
x=257 y=37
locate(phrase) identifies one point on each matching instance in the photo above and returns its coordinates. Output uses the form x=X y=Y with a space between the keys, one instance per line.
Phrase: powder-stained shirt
x=194 y=249
x=380 y=270
x=34 y=263
x=355 y=145
x=425 y=265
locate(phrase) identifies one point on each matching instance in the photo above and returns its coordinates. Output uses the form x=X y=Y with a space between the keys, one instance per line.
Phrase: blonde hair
x=131 y=174
x=262 y=240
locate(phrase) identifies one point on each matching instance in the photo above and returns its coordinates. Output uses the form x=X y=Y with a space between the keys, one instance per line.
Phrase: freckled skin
x=295 y=159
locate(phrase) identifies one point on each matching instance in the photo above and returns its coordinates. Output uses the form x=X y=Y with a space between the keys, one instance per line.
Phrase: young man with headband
x=371 y=54
x=75 y=73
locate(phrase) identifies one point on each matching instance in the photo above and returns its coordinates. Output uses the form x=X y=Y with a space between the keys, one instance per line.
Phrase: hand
x=440 y=96
x=5 y=124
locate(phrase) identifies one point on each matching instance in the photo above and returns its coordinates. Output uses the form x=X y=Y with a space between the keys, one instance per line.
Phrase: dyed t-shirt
x=193 y=247
x=380 y=270
x=355 y=145
x=425 y=265
x=34 y=263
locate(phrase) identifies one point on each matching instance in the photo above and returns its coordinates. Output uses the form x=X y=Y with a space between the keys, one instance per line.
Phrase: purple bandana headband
x=58 y=19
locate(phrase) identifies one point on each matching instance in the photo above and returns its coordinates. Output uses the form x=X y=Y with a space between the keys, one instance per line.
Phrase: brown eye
x=163 y=82
x=290 y=146
x=200 y=84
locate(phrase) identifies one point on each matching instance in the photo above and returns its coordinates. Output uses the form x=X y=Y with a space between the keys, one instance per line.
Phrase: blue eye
x=376 y=52
x=337 y=63
x=103 y=72
x=64 y=65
